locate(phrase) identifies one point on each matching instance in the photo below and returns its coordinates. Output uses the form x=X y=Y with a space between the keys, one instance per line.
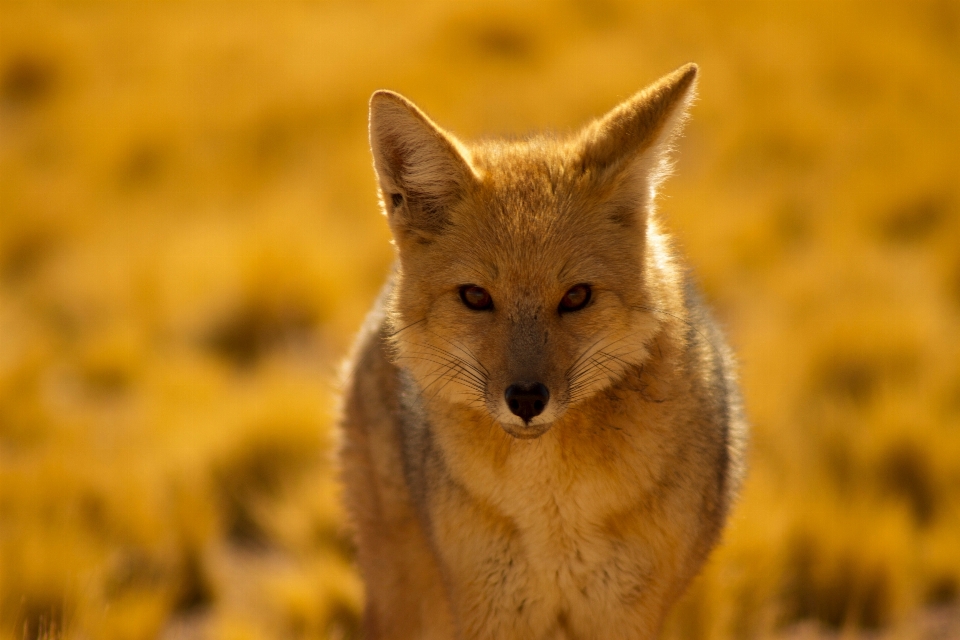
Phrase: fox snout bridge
x=527 y=399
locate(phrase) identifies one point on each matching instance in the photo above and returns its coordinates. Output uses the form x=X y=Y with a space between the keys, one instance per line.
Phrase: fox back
x=542 y=431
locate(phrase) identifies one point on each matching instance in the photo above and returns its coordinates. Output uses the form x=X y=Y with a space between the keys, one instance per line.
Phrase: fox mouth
x=526 y=431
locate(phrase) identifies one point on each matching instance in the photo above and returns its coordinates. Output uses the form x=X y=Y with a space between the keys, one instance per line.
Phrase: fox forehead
x=531 y=215
x=532 y=249
x=531 y=185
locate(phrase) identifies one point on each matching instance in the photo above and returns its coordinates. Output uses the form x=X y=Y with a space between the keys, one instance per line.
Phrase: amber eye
x=576 y=298
x=477 y=298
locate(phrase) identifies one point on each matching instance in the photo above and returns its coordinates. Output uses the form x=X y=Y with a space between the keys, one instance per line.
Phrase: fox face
x=529 y=272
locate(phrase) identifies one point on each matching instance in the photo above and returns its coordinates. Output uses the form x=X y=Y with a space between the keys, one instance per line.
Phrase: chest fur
x=577 y=526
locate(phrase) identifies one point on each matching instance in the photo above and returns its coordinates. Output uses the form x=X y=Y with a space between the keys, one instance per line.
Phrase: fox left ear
x=423 y=170
x=626 y=151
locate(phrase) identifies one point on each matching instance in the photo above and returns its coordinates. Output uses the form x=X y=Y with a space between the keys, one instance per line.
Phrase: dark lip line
x=529 y=435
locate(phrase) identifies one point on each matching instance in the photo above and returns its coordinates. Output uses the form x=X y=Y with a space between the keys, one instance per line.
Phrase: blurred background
x=189 y=237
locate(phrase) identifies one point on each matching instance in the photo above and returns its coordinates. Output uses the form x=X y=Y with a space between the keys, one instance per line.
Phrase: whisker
x=402 y=329
x=591 y=351
x=480 y=374
x=449 y=367
x=467 y=352
x=585 y=352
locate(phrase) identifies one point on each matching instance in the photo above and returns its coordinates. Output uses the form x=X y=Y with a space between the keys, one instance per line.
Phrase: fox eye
x=576 y=298
x=476 y=298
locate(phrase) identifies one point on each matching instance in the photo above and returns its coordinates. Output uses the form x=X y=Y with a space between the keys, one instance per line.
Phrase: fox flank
x=542 y=430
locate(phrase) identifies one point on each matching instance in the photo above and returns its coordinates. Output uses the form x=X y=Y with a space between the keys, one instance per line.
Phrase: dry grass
x=189 y=237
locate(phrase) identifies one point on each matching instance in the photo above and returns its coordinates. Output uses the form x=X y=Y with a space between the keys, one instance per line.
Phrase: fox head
x=529 y=271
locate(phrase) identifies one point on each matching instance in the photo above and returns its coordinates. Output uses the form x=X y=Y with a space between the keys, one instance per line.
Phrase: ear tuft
x=629 y=146
x=422 y=170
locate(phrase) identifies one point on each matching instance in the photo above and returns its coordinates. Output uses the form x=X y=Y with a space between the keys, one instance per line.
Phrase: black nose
x=527 y=399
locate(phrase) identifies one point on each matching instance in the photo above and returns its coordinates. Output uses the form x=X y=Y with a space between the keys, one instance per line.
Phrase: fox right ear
x=422 y=170
x=629 y=148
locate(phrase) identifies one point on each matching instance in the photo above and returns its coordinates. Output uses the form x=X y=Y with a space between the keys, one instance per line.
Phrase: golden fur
x=588 y=520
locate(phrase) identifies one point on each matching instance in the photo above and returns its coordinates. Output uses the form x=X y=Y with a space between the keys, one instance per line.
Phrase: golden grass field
x=189 y=237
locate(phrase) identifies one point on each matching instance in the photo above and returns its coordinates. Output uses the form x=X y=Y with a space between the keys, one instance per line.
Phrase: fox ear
x=627 y=151
x=422 y=170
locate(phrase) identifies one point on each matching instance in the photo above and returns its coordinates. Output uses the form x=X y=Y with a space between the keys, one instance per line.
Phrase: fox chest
x=552 y=564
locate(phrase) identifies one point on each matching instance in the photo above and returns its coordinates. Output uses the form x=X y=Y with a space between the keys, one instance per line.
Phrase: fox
x=541 y=428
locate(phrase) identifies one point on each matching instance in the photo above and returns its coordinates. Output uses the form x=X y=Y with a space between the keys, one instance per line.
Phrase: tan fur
x=589 y=520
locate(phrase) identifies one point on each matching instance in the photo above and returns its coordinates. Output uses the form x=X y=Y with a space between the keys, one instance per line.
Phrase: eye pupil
x=575 y=298
x=476 y=298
